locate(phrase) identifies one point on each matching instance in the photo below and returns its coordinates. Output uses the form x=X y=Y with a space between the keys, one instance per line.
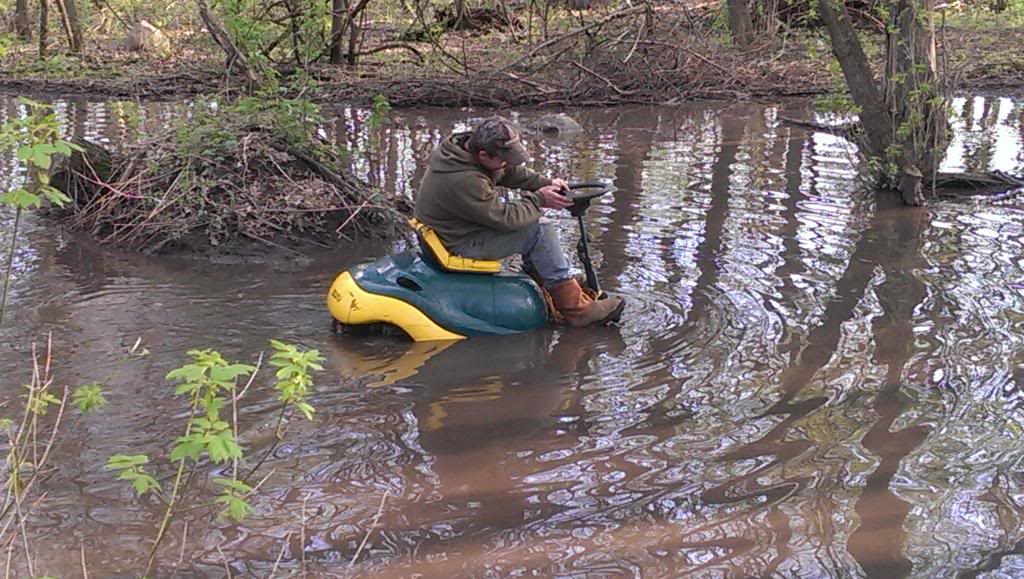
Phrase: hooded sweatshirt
x=457 y=196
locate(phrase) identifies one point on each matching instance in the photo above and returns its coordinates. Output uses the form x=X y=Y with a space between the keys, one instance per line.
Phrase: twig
x=174 y=494
x=389 y=46
x=24 y=534
x=373 y=525
x=181 y=553
x=10 y=555
x=601 y=78
x=351 y=217
x=85 y=571
x=302 y=535
x=639 y=32
x=280 y=555
x=227 y=569
x=574 y=32
x=252 y=377
x=703 y=58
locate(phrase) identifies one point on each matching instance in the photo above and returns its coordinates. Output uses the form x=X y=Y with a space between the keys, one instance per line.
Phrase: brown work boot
x=581 y=278
x=579 y=309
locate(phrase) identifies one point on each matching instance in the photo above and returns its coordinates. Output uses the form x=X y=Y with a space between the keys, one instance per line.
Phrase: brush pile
x=224 y=175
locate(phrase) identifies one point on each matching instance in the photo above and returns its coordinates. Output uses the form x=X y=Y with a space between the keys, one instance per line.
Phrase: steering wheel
x=582 y=193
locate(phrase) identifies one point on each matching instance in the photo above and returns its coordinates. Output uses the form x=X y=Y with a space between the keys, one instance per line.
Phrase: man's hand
x=562 y=184
x=553 y=197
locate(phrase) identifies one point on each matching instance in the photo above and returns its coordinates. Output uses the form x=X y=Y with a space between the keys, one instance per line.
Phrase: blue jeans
x=537 y=243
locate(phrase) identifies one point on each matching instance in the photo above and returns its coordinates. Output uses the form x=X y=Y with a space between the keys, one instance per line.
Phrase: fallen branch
x=846 y=131
x=610 y=84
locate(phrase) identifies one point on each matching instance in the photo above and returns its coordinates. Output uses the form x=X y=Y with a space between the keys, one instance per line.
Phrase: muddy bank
x=669 y=64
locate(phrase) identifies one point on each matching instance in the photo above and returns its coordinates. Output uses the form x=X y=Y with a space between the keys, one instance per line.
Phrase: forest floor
x=651 y=55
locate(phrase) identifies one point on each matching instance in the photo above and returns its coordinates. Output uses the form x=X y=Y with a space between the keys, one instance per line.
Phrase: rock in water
x=557 y=123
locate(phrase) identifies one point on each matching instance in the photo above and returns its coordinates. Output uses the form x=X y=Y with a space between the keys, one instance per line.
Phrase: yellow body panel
x=349 y=304
x=448 y=260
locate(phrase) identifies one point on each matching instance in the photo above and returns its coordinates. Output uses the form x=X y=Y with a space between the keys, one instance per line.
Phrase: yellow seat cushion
x=450 y=261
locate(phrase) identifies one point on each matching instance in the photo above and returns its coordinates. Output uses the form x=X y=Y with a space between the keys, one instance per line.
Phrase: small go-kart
x=432 y=294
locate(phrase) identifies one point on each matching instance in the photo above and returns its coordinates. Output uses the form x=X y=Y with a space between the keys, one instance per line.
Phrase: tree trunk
x=71 y=11
x=353 y=34
x=740 y=23
x=857 y=71
x=44 y=17
x=914 y=97
x=22 y=20
x=461 y=15
x=906 y=123
x=338 y=21
x=65 y=24
x=223 y=40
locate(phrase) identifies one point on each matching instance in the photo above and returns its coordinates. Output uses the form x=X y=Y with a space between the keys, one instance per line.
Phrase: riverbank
x=641 y=55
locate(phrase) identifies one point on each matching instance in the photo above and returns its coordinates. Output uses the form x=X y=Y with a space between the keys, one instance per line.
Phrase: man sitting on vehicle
x=457 y=199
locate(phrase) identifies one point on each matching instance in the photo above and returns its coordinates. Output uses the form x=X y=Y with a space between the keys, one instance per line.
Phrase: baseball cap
x=499 y=137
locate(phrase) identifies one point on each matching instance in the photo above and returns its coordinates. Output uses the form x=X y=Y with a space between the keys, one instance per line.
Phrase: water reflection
x=809 y=382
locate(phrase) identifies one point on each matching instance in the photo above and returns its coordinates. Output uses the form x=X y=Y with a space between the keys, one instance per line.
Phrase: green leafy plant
x=88 y=397
x=210 y=383
x=36 y=139
x=129 y=468
x=294 y=375
x=32 y=439
x=380 y=112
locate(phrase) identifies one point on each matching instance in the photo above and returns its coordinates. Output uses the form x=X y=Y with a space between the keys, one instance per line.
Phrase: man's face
x=491 y=162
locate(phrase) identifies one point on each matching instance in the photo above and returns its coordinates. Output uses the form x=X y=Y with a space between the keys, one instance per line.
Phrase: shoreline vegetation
x=650 y=53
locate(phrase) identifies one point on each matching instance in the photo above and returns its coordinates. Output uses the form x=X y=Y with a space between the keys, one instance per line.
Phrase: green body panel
x=465 y=303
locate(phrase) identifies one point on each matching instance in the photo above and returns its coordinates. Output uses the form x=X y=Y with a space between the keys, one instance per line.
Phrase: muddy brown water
x=807 y=382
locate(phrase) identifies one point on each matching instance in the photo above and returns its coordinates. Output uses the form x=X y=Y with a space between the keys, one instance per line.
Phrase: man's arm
x=479 y=203
x=522 y=177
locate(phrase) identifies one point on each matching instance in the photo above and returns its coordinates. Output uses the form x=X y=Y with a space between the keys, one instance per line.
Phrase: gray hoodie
x=457 y=196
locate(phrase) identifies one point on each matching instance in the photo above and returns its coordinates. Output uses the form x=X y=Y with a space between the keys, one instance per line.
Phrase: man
x=457 y=199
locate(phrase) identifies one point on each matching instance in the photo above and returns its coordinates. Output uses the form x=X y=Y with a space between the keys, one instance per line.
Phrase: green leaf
x=144 y=483
x=190 y=446
x=287 y=372
x=236 y=508
x=222 y=447
x=41 y=160
x=44 y=149
x=24 y=153
x=21 y=198
x=213 y=407
x=230 y=373
x=190 y=372
x=54 y=195
x=123 y=461
x=187 y=388
x=88 y=397
x=281 y=346
x=233 y=484
x=306 y=409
